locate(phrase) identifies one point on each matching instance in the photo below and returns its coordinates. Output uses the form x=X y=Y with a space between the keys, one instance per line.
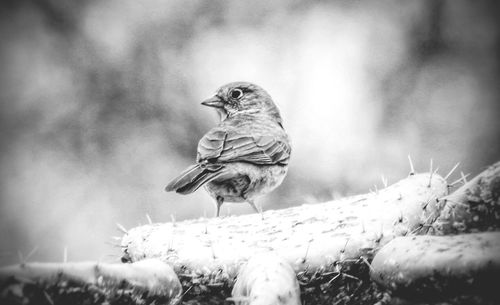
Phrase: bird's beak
x=214 y=101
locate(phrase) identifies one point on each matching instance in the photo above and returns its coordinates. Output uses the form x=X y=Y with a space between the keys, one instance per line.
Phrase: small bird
x=246 y=155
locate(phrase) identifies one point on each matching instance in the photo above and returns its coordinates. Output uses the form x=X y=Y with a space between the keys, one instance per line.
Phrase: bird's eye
x=236 y=93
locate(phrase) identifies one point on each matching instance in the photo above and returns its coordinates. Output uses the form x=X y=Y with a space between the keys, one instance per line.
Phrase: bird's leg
x=252 y=203
x=220 y=201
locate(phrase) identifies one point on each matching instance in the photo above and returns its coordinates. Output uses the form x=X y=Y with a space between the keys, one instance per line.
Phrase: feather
x=225 y=144
x=194 y=177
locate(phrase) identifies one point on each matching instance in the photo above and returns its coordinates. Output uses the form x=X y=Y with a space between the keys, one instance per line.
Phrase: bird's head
x=242 y=98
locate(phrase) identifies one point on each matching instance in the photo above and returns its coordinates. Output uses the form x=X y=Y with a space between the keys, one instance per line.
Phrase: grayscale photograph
x=287 y=152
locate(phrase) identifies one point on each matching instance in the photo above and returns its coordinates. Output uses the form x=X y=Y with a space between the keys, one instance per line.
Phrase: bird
x=246 y=155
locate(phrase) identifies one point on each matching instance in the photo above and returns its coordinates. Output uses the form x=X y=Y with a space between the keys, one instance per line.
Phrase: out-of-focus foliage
x=100 y=103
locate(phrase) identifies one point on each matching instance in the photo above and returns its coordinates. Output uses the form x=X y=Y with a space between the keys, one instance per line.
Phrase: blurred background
x=100 y=104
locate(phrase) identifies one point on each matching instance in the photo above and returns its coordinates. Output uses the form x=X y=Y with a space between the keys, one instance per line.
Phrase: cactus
x=325 y=251
x=325 y=244
x=440 y=266
x=149 y=281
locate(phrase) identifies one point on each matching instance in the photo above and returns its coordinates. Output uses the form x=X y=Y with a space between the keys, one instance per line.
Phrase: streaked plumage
x=246 y=155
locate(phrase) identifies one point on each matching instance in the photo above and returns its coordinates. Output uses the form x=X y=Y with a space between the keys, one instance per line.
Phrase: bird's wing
x=226 y=145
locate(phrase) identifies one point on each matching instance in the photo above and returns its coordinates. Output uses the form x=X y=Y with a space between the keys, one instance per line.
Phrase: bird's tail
x=193 y=177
